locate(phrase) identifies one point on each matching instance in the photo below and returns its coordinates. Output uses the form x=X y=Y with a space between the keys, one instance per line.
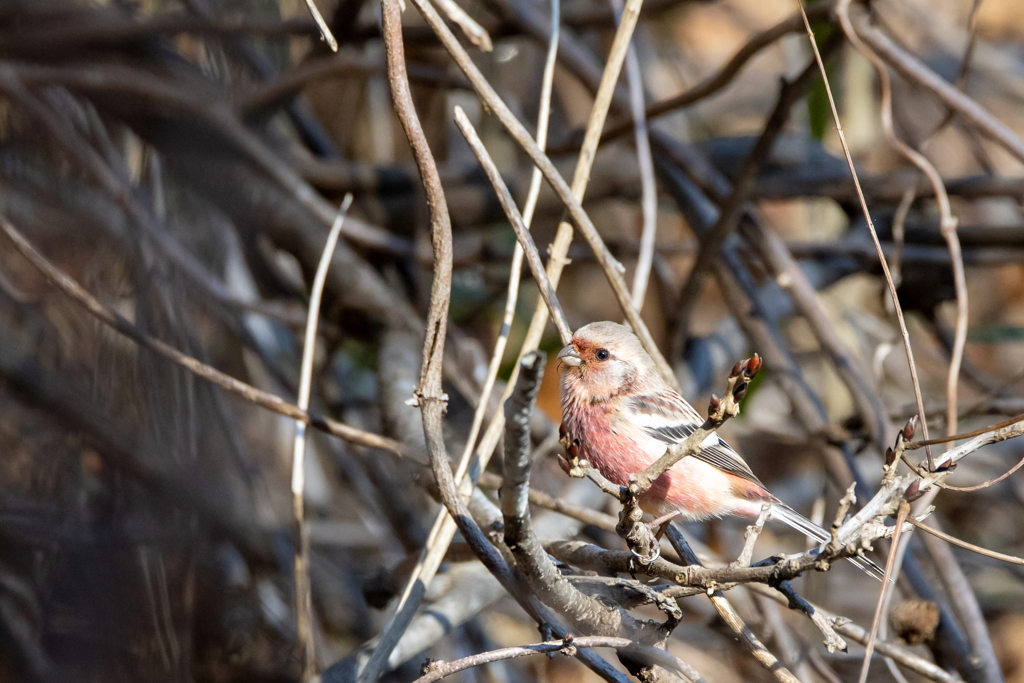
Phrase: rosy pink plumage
x=621 y=416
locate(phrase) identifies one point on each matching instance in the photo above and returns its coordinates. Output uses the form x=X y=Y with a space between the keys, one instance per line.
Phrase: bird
x=620 y=415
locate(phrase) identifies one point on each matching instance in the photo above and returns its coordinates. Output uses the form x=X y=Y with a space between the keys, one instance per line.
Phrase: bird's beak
x=570 y=356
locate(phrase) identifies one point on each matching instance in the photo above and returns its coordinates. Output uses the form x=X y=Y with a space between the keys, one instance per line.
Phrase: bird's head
x=604 y=360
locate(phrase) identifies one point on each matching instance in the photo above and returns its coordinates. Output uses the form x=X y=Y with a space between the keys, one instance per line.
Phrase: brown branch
x=918 y=73
x=731 y=617
x=429 y=394
x=540 y=573
x=500 y=110
x=435 y=670
x=733 y=207
x=914 y=445
x=250 y=393
x=110 y=32
x=898 y=653
x=968 y=546
x=725 y=75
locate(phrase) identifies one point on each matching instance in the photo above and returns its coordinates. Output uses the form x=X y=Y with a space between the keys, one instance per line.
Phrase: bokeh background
x=183 y=160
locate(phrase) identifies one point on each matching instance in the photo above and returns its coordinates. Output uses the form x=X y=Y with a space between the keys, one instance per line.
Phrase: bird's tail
x=786 y=514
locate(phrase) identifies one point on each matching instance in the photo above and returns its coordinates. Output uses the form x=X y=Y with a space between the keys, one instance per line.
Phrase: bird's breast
x=619 y=449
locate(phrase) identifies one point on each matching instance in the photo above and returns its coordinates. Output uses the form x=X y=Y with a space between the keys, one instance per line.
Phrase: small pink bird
x=621 y=416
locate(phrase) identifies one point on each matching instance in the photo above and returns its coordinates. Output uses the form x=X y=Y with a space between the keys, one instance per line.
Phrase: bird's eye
x=601 y=354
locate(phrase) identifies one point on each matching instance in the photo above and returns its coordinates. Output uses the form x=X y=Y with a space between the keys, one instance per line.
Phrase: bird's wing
x=669 y=418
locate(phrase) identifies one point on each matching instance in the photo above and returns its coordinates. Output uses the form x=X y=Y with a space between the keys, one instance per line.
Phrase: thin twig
x=436 y=670
x=899 y=234
x=303 y=594
x=965 y=545
x=547 y=292
x=904 y=656
x=325 y=30
x=751 y=534
x=918 y=73
x=428 y=394
x=476 y=33
x=248 y=392
x=986 y=484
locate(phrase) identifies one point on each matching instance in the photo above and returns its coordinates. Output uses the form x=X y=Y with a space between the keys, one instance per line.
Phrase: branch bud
x=890 y=457
x=753 y=366
x=910 y=428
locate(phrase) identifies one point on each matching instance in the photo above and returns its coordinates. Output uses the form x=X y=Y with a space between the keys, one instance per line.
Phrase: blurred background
x=184 y=159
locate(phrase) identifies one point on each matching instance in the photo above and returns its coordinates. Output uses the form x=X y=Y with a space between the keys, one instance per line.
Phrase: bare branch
x=436 y=670
x=918 y=73
x=325 y=30
x=965 y=545
x=611 y=267
x=250 y=393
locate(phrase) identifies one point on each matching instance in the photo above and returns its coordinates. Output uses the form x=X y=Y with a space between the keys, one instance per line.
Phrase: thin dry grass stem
x=476 y=33
x=325 y=30
x=947 y=221
x=874 y=234
x=303 y=594
x=1012 y=559
x=248 y=392
x=547 y=292
x=891 y=569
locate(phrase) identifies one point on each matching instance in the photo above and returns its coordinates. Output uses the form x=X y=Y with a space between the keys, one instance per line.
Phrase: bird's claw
x=647 y=560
